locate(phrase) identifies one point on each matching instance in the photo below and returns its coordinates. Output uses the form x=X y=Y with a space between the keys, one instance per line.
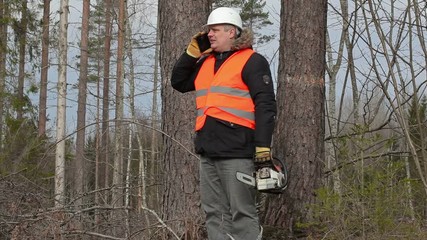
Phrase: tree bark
x=299 y=130
x=118 y=139
x=61 y=109
x=22 y=36
x=105 y=140
x=44 y=69
x=3 y=53
x=79 y=163
x=180 y=200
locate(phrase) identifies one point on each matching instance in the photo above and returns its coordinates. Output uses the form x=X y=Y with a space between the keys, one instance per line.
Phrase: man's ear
x=234 y=33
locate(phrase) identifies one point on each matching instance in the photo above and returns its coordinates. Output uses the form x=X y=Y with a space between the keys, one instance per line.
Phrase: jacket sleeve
x=257 y=76
x=184 y=73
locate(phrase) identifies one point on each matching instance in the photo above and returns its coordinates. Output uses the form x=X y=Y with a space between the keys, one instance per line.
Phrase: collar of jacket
x=244 y=41
x=222 y=55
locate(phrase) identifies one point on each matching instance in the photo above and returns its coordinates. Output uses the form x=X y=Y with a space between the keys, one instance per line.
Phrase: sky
x=75 y=11
x=144 y=101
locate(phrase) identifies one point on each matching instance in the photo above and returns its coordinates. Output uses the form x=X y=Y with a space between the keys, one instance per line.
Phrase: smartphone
x=203 y=41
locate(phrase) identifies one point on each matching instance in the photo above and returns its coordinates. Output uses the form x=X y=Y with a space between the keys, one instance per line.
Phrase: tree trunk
x=118 y=139
x=61 y=117
x=3 y=53
x=180 y=200
x=79 y=163
x=333 y=119
x=105 y=140
x=131 y=126
x=349 y=43
x=22 y=36
x=299 y=130
x=44 y=69
x=98 y=151
x=410 y=196
x=128 y=182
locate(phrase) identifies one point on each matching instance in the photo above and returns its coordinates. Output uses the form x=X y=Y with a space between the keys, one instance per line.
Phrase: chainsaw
x=267 y=179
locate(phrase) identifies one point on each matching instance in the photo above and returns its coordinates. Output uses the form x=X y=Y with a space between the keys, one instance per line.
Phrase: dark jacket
x=223 y=139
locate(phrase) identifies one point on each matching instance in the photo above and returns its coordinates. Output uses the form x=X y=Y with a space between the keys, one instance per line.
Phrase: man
x=236 y=109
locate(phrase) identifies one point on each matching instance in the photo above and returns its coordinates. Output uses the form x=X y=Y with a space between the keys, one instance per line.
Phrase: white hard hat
x=225 y=15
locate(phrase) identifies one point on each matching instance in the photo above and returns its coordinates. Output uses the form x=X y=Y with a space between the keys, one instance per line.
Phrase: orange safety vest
x=223 y=94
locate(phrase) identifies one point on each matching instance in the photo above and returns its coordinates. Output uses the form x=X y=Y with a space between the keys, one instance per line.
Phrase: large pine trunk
x=299 y=130
x=179 y=20
x=105 y=137
x=79 y=162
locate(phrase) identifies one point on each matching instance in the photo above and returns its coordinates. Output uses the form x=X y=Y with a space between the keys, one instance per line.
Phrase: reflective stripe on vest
x=224 y=95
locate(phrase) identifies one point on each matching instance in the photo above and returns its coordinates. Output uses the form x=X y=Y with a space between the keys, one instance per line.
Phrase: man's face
x=221 y=39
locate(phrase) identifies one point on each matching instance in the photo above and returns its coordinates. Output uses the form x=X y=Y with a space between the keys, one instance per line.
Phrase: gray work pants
x=228 y=203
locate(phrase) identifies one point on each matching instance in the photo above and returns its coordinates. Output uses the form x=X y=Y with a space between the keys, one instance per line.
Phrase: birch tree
x=118 y=139
x=131 y=126
x=61 y=108
x=333 y=66
x=21 y=32
x=3 y=54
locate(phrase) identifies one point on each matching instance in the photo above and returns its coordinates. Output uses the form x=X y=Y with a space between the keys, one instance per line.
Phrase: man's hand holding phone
x=199 y=45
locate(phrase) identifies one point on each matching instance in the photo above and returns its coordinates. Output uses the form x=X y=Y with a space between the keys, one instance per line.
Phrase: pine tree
x=299 y=132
